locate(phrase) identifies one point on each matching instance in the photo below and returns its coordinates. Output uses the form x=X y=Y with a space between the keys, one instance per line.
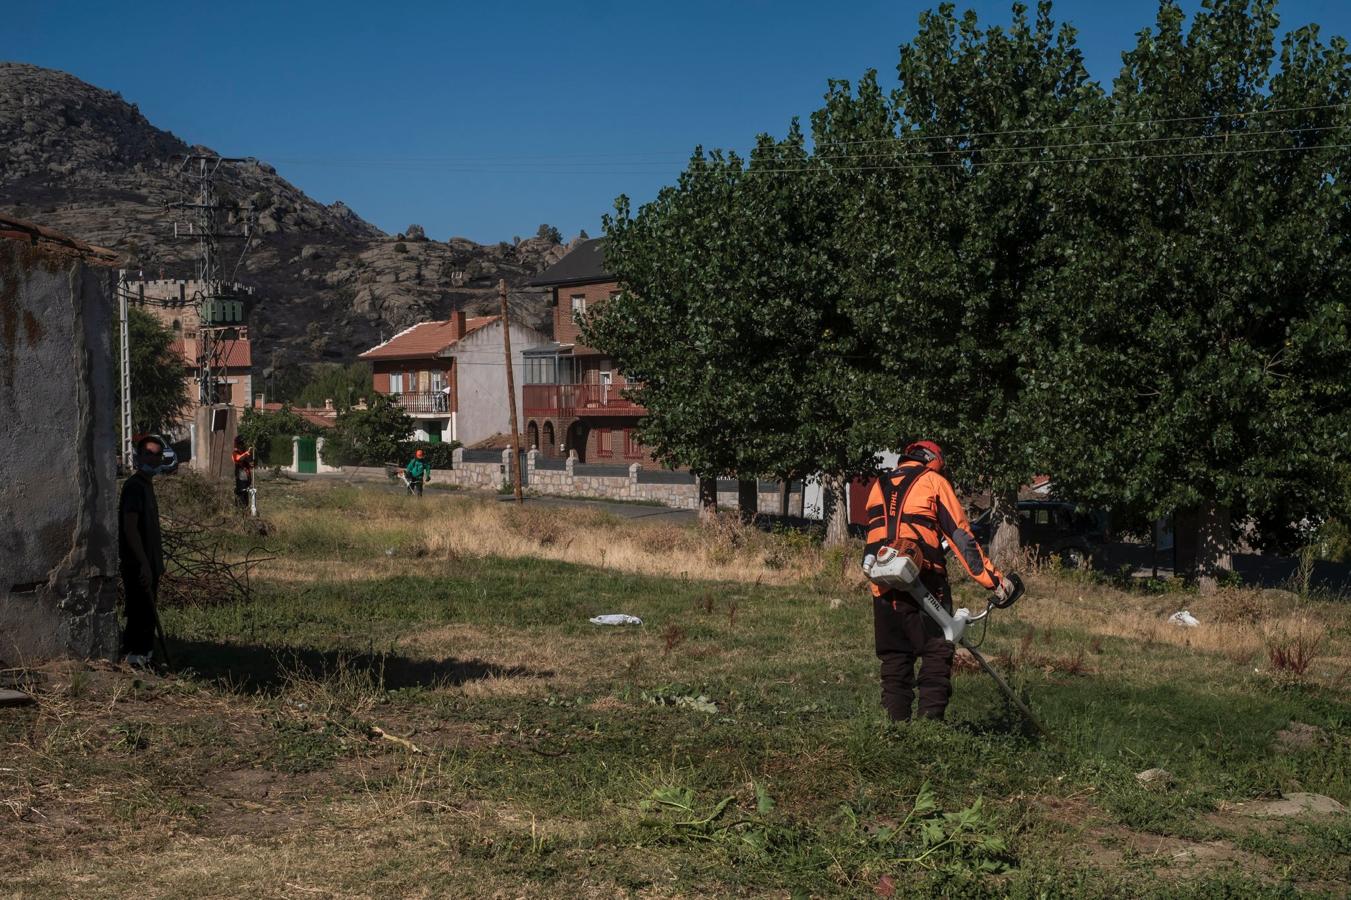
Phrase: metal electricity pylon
x=222 y=305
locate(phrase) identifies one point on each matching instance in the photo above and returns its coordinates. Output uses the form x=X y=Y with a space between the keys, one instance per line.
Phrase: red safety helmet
x=926 y=452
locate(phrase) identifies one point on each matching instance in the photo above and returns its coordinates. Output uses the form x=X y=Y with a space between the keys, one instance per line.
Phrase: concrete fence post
x=319 y=465
x=569 y=470
x=295 y=454
x=634 y=469
x=457 y=457
x=531 y=460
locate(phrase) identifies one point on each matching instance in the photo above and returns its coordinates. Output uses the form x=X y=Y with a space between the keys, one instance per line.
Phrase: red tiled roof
x=315 y=418
x=26 y=232
x=426 y=339
x=324 y=418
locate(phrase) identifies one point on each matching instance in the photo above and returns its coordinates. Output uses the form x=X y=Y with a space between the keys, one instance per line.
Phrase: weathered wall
x=481 y=380
x=58 y=447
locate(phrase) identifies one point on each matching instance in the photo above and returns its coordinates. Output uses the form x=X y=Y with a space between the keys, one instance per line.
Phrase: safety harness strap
x=894 y=492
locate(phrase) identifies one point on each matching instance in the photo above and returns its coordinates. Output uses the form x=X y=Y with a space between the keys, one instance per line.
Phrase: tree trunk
x=708 y=499
x=1005 y=538
x=1202 y=545
x=747 y=498
x=835 y=489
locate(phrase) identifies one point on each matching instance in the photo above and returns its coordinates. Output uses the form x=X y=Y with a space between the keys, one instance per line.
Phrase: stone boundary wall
x=602 y=481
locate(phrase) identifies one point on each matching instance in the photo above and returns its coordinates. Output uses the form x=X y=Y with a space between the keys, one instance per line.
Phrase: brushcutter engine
x=899 y=569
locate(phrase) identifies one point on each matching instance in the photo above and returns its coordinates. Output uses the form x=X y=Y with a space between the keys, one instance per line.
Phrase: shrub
x=1294 y=654
x=270 y=433
x=368 y=437
x=438 y=456
x=400 y=247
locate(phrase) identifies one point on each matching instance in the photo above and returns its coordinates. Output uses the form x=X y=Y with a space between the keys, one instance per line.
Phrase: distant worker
x=916 y=502
x=140 y=552
x=244 y=463
x=417 y=472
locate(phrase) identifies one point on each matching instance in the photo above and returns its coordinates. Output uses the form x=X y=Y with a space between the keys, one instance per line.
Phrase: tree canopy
x=159 y=396
x=1140 y=292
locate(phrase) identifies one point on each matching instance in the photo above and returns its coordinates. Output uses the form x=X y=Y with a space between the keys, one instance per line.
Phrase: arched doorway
x=532 y=436
x=577 y=433
x=549 y=447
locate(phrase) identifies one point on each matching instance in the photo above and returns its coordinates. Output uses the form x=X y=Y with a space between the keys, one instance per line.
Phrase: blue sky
x=485 y=120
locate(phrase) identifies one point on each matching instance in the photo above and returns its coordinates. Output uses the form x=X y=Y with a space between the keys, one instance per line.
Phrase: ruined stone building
x=58 y=446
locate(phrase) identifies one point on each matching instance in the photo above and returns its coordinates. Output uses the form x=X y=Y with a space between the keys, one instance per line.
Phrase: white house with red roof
x=450 y=375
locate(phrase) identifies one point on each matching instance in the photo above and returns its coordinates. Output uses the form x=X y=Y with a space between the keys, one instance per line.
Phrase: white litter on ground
x=616 y=619
x=1184 y=618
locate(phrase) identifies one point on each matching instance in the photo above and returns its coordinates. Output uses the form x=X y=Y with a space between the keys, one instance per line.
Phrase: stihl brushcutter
x=901 y=571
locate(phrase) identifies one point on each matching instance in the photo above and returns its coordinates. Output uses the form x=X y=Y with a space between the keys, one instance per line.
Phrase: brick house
x=450 y=376
x=574 y=397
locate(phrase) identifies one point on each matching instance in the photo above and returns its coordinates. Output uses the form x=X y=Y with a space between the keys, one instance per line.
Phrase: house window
x=578 y=305
x=396 y=382
x=632 y=449
x=604 y=447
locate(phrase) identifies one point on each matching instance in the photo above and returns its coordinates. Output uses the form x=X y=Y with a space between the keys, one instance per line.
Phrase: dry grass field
x=413 y=704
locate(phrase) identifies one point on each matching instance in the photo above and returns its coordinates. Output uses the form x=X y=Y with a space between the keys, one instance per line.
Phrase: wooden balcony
x=579 y=400
x=423 y=402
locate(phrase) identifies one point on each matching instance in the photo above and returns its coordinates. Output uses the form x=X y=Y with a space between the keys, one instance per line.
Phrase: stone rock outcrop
x=85 y=161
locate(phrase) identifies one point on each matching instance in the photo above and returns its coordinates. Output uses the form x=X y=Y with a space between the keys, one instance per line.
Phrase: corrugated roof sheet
x=426 y=339
x=584 y=263
x=49 y=238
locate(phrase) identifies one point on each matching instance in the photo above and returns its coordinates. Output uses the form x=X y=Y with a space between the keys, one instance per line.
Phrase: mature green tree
x=728 y=316
x=368 y=437
x=159 y=397
x=1204 y=316
x=661 y=329
x=269 y=432
x=343 y=384
x=951 y=185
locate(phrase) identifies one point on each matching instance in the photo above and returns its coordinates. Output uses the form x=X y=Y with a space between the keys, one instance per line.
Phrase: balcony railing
x=579 y=400
x=422 y=402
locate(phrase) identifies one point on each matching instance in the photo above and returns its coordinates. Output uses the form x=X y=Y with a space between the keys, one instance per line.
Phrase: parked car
x=1055 y=528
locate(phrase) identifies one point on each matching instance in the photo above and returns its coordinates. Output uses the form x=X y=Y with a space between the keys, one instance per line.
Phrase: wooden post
x=511 y=393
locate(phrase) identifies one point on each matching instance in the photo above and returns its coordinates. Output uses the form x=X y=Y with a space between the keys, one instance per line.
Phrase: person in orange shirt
x=242 y=457
x=916 y=502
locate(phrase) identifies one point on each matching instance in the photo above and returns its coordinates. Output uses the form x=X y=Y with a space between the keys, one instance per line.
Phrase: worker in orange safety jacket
x=916 y=502
x=242 y=457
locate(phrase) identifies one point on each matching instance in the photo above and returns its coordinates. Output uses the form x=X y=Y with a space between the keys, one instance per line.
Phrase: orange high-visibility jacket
x=918 y=503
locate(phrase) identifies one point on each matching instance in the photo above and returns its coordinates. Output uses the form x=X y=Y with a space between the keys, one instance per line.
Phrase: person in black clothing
x=140 y=551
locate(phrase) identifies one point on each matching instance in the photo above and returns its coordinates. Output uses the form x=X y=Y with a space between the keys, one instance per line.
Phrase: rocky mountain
x=85 y=161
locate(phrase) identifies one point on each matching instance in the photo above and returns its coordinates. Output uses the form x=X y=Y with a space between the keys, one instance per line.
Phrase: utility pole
x=220 y=304
x=511 y=392
x=124 y=364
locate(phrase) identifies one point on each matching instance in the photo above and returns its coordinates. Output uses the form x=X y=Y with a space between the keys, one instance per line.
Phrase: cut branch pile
x=198 y=570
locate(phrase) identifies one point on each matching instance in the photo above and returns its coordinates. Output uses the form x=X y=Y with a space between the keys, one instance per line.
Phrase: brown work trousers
x=903 y=634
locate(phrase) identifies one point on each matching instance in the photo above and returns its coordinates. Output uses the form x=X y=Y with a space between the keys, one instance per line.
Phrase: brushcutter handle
x=1012 y=598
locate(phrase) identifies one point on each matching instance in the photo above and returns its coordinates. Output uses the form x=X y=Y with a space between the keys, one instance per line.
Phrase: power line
x=807 y=161
x=661 y=156
x=1241 y=151
x=1107 y=124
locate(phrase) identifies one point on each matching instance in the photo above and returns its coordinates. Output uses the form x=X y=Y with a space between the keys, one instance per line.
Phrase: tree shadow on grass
x=258 y=669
